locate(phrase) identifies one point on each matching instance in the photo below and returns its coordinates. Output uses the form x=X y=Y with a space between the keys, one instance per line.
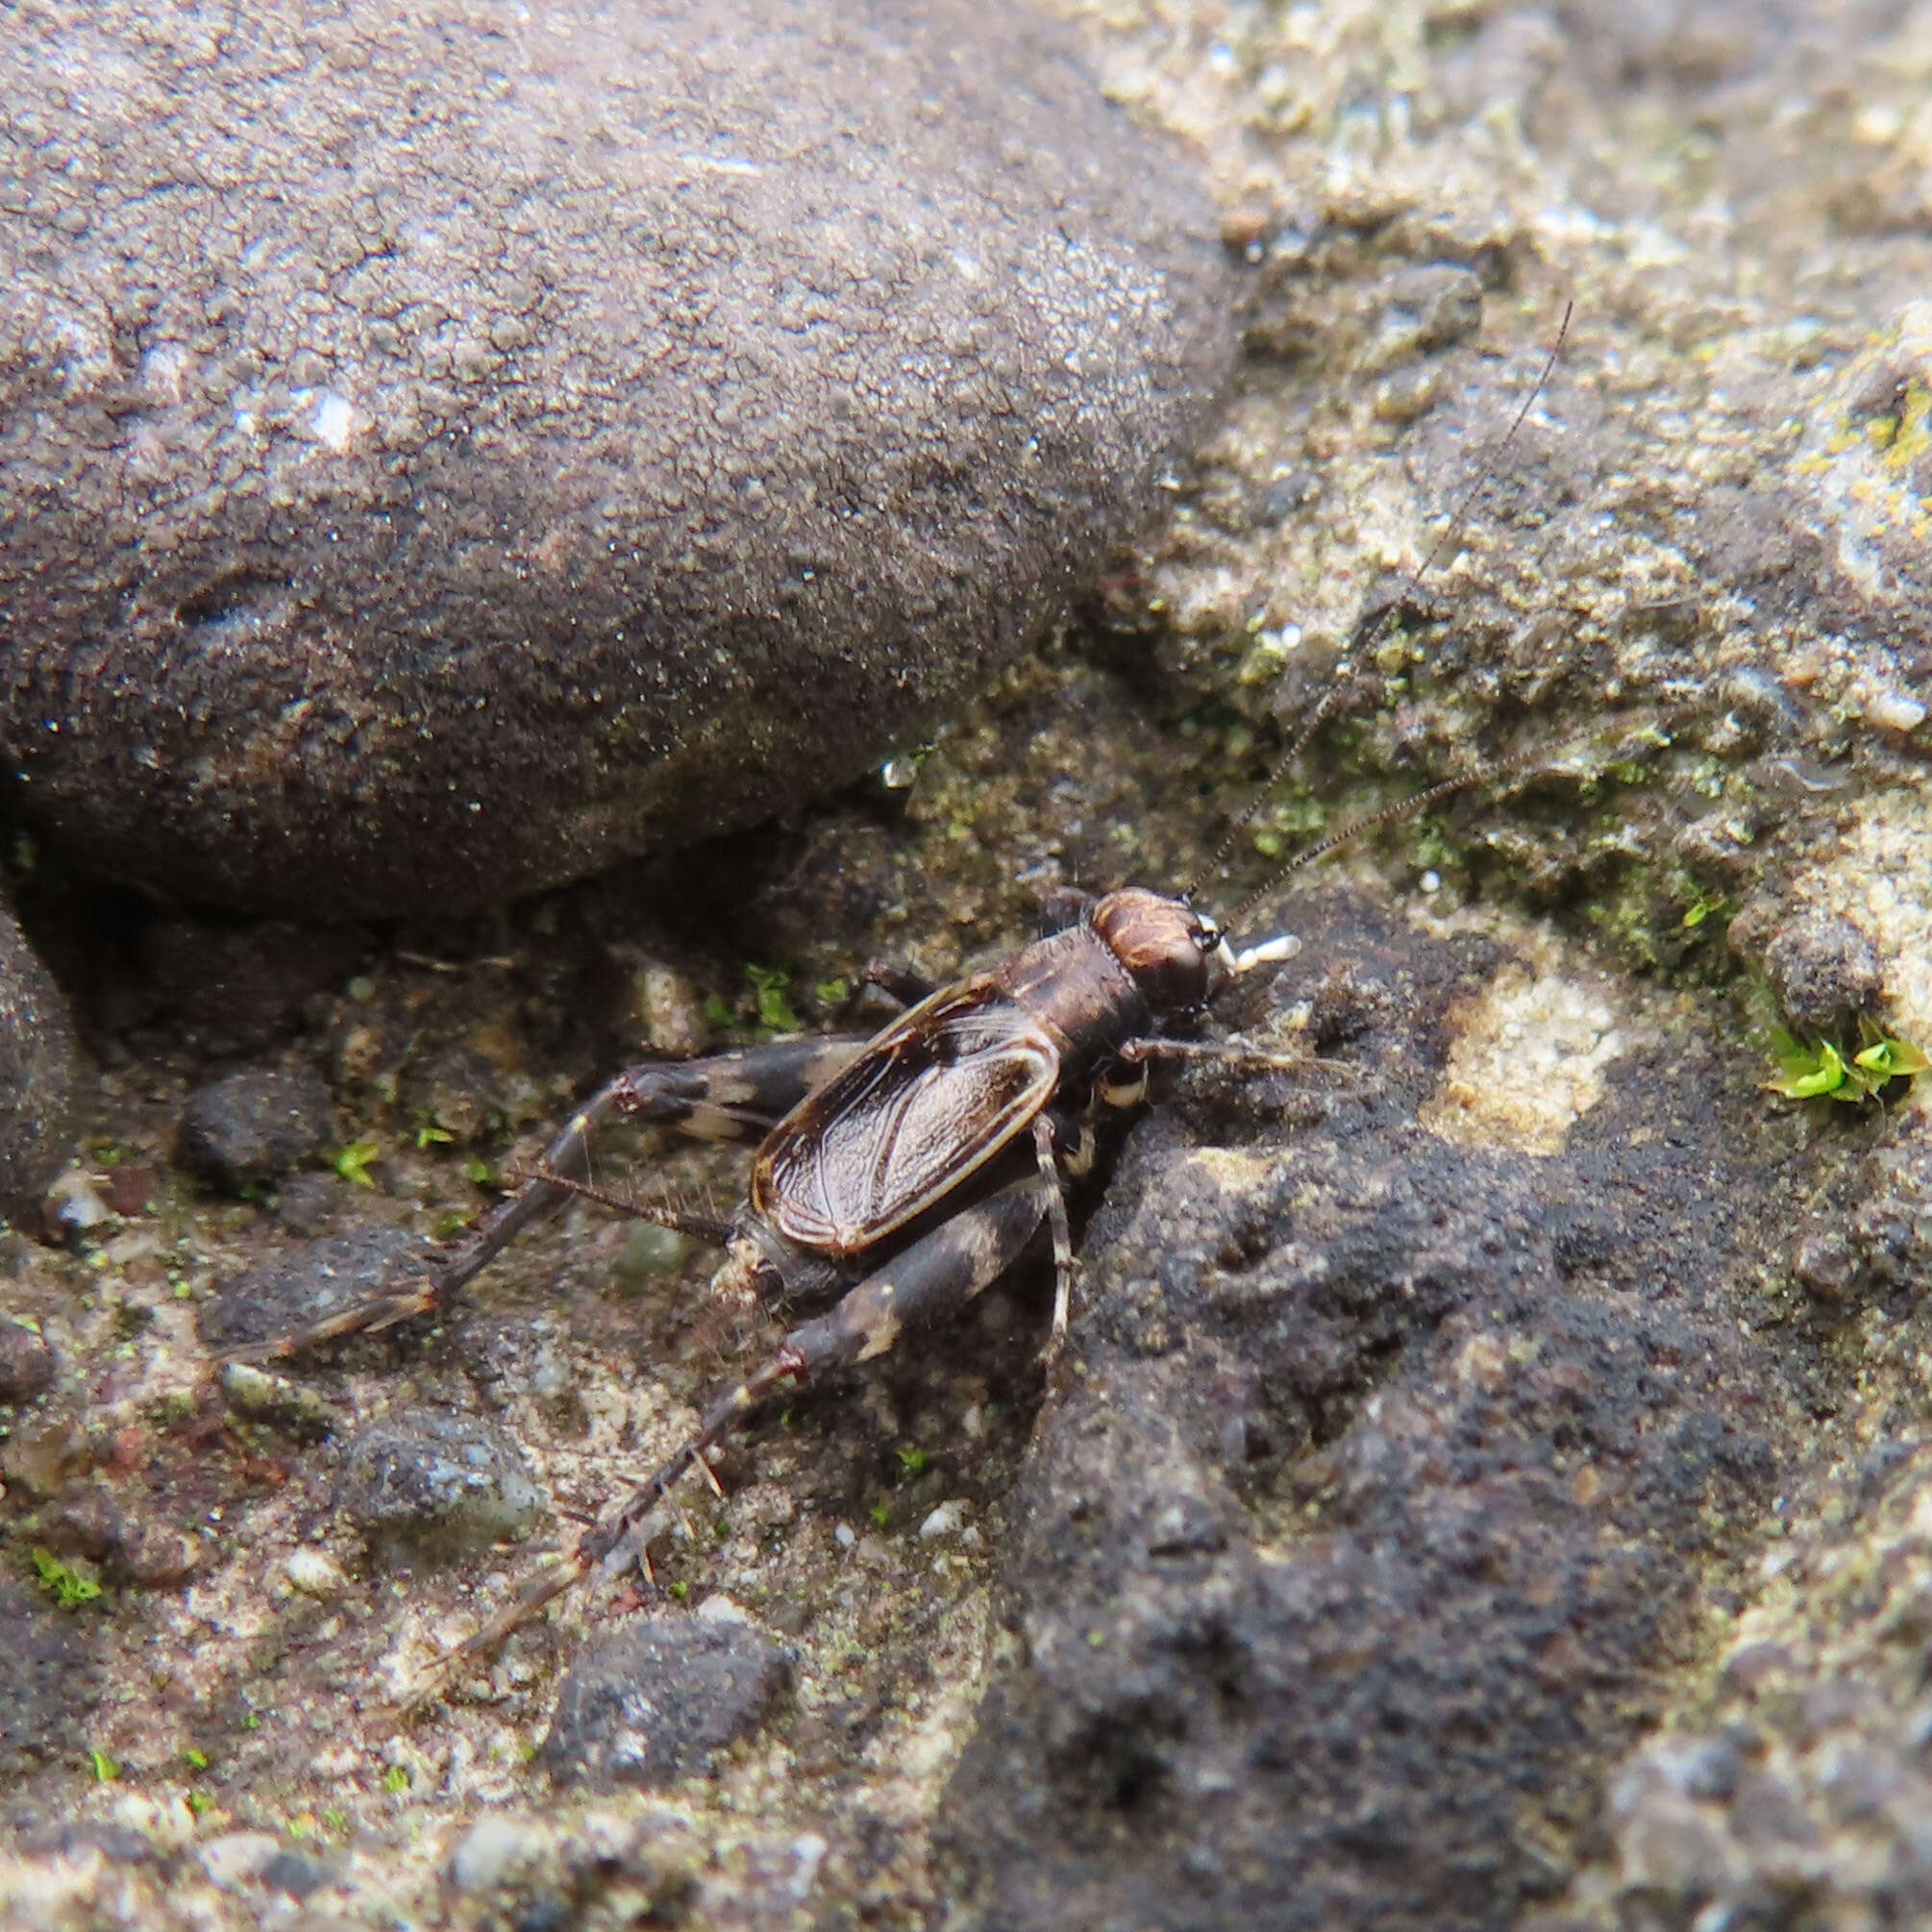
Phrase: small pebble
x=308 y=1285
x=668 y=1011
x=1823 y=971
x=294 y=1873
x=72 y=1210
x=1405 y=395
x=276 y=1399
x=247 y=1128
x=88 y=1522
x=948 y=1520
x=315 y=1573
x=158 y=1556
x=1893 y=710
x=130 y=1189
x=654 y=1701
x=649 y=1254
x=458 y=1092
x=493 y=1851
x=26 y=1363
x=237 y=1858
x=1825 y=1263
x=437 y=1483
x=306 y=1203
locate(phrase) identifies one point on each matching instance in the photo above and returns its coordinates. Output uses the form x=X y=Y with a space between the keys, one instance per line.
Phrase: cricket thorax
x=1074 y=987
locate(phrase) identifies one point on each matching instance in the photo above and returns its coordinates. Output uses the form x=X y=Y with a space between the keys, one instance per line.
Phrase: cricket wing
x=935 y=1096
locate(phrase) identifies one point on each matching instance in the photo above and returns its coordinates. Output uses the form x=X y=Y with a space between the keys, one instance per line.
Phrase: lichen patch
x=1529 y=1062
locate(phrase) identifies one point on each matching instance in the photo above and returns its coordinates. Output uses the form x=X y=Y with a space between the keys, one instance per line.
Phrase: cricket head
x=1169 y=948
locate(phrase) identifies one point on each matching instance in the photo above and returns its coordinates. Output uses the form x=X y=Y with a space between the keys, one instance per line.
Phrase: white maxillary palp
x=1270 y=953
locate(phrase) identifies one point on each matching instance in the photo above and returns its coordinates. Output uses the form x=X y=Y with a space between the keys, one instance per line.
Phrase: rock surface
x=253 y=1125
x=437 y=1483
x=48 y=1681
x=1370 y=1514
x=651 y=1703
x=1509 y=1502
x=439 y=454
x=1800 y=1794
x=307 y=1283
x=36 y=1075
x=26 y=1365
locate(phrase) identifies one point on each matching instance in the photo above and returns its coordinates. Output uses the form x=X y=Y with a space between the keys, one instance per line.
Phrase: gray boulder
x=438 y=458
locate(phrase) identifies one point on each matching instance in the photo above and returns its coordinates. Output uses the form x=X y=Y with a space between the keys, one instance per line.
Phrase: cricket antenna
x=1498 y=774
x=1377 y=625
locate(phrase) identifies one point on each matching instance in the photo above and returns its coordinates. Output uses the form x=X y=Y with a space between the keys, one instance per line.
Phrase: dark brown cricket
x=902 y=1174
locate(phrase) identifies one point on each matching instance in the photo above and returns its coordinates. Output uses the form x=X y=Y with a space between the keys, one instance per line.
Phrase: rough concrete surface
x=1484 y=1483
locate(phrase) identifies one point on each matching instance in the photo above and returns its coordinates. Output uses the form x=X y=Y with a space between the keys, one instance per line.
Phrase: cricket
x=897 y=1174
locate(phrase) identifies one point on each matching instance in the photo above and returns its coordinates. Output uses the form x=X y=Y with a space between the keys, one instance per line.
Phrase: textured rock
x=237 y=1858
x=89 y=1521
x=439 y=453
x=494 y=1851
x=436 y=1482
x=308 y=1284
x=27 y=1364
x=1466 y=1467
x=514 y=1872
x=1365 y=1519
x=653 y=1702
x=245 y=1128
x=73 y=1211
x=229 y=987
x=1856 y=501
x=1800 y=1795
x=1823 y=970
x=36 y=1075
x=47 y=1680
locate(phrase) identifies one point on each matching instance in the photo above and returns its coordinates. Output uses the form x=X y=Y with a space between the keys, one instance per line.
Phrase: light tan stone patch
x=1528 y=1064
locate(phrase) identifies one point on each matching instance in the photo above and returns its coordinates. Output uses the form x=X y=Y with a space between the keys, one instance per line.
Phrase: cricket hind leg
x=1047 y=1139
x=939 y=1273
x=735 y=1095
x=899 y=983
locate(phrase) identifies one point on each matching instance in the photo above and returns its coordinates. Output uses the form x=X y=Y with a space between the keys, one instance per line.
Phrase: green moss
x=770 y=986
x=352 y=1162
x=68 y=1587
x=1811 y=1070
